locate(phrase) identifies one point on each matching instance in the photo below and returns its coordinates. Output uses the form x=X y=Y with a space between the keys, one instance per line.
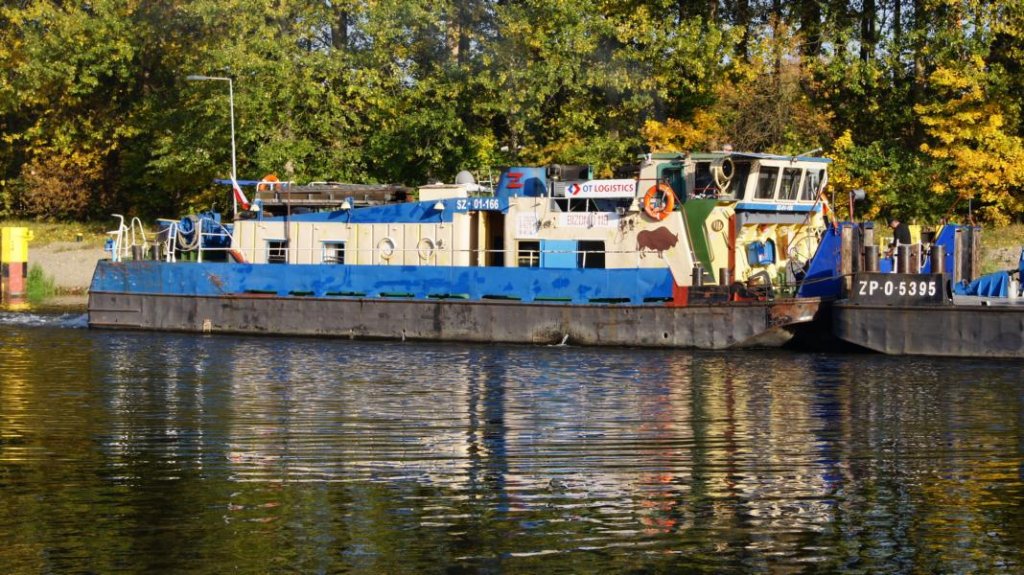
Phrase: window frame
x=767 y=173
x=276 y=254
x=528 y=251
x=337 y=247
x=794 y=185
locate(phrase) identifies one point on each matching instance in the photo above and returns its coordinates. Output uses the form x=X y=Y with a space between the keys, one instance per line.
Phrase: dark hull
x=706 y=326
x=939 y=330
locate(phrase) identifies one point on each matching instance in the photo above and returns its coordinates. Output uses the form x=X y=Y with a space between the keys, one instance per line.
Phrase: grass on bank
x=38 y=285
x=45 y=233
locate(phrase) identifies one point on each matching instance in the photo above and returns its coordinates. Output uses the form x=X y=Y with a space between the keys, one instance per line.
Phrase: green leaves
x=95 y=111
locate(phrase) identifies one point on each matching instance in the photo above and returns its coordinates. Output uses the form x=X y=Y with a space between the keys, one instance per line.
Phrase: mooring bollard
x=871 y=258
x=14 y=260
x=903 y=259
x=724 y=277
x=938 y=257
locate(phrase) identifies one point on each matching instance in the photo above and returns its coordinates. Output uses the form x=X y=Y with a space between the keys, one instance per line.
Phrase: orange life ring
x=267 y=183
x=661 y=209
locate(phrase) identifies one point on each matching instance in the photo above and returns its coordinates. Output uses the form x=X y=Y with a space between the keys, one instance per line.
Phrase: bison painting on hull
x=656 y=240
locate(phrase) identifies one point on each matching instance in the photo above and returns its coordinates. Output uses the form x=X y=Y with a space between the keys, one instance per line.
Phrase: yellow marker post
x=14 y=260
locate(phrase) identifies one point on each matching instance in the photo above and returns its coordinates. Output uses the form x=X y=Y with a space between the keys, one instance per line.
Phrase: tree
x=966 y=137
x=765 y=105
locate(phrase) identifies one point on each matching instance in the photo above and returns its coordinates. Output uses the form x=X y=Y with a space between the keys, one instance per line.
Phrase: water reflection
x=128 y=452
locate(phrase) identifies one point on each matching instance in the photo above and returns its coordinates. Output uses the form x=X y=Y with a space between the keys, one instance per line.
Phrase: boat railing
x=169 y=240
x=206 y=235
x=430 y=256
x=127 y=239
x=219 y=235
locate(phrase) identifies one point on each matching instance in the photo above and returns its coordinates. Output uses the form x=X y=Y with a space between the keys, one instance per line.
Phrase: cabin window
x=703 y=181
x=790 y=188
x=766 y=180
x=811 y=184
x=334 y=253
x=575 y=205
x=591 y=255
x=738 y=182
x=673 y=176
x=529 y=254
x=277 y=251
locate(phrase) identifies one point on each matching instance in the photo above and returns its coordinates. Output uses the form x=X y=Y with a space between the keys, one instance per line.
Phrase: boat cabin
x=709 y=218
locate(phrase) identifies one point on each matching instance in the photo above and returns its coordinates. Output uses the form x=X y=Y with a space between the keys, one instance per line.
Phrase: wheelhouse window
x=738 y=183
x=790 y=188
x=703 y=181
x=811 y=184
x=767 y=177
x=277 y=251
x=334 y=253
x=591 y=255
x=529 y=254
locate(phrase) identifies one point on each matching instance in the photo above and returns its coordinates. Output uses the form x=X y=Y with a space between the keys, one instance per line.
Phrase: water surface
x=131 y=452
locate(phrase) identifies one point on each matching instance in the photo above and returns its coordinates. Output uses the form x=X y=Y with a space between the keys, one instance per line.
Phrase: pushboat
x=712 y=250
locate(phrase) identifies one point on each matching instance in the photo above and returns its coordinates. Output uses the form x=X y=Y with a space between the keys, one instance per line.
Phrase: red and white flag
x=239 y=196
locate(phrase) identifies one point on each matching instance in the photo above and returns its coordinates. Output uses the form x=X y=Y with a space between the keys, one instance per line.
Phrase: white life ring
x=426 y=247
x=386 y=247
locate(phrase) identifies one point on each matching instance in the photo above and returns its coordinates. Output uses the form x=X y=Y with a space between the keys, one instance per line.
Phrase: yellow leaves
x=965 y=130
x=949 y=79
x=844 y=142
x=840 y=178
x=701 y=132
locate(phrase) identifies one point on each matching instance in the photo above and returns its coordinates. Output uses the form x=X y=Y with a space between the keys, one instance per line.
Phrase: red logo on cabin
x=513 y=180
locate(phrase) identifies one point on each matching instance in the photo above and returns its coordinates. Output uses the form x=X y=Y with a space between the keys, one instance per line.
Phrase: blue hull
x=623 y=308
x=576 y=286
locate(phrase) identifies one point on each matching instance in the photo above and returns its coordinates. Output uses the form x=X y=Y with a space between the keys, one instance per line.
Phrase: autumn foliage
x=920 y=104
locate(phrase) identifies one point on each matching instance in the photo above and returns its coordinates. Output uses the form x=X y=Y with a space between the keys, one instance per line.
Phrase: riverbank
x=69 y=264
x=65 y=252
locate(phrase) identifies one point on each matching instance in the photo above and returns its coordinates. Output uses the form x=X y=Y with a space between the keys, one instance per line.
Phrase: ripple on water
x=209 y=453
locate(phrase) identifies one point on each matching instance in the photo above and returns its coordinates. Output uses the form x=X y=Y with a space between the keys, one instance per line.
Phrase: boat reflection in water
x=196 y=453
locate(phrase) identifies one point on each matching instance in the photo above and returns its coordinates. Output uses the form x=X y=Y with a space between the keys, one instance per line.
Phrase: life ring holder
x=386 y=247
x=426 y=248
x=267 y=183
x=660 y=210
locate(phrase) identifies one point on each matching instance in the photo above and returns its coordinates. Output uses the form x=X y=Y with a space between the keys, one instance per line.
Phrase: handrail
x=118 y=240
x=289 y=255
x=126 y=237
x=171 y=243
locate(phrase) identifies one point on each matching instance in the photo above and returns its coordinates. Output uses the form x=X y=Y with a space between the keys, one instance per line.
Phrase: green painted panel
x=697 y=212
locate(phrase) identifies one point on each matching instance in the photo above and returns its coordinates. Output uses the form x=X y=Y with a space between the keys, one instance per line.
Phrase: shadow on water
x=138 y=452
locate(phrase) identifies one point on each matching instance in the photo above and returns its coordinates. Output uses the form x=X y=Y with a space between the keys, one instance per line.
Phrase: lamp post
x=231 y=104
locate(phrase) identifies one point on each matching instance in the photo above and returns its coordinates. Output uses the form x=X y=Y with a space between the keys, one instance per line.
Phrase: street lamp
x=231 y=103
